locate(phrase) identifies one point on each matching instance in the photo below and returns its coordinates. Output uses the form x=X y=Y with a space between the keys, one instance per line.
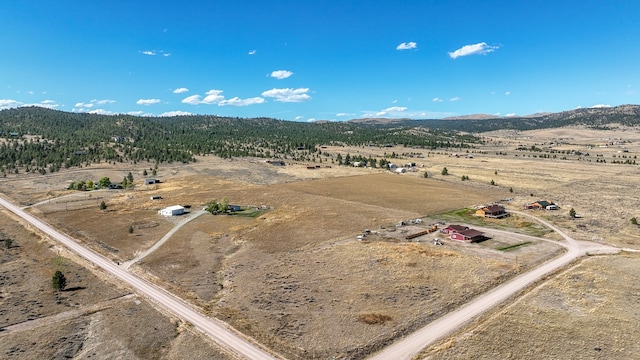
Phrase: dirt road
x=217 y=330
x=414 y=343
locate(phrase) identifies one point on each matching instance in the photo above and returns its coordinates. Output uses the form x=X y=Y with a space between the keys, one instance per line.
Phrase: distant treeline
x=42 y=140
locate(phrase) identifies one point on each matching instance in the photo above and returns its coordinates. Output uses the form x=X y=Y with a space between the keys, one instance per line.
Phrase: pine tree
x=58 y=281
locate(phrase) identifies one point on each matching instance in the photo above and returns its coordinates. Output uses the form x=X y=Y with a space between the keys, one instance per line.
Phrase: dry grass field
x=296 y=278
x=91 y=319
x=587 y=312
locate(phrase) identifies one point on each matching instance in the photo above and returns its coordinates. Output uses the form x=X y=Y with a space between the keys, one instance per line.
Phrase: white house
x=172 y=211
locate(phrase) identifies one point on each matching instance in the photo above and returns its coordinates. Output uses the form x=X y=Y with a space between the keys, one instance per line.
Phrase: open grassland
x=296 y=278
x=92 y=318
x=587 y=312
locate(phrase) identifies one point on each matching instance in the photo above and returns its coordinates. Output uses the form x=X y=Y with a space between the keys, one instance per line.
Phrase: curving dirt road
x=220 y=332
x=414 y=343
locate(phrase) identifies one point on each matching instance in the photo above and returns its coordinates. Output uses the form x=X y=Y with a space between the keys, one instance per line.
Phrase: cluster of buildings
x=542 y=205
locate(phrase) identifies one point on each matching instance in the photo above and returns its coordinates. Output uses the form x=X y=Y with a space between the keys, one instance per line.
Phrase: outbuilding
x=172 y=211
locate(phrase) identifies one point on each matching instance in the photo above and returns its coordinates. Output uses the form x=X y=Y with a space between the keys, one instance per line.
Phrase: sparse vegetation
x=59 y=281
x=374 y=319
x=444 y=171
x=572 y=213
x=634 y=221
x=103 y=205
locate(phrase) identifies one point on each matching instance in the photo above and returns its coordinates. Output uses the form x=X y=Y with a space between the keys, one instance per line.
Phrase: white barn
x=172 y=211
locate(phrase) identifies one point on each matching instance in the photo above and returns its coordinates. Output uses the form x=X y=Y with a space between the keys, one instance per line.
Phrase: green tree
x=445 y=171
x=144 y=173
x=223 y=205
x=130 y=229
x=572 y=213
x=90 y=186
x=510 y=189
x=104 y=182
x=130 y=177
x=58 y=281
x=634 y=221
x=212 y=207
x=103 y=205
x=425 y=175
x=493 y=182
x=8 y=242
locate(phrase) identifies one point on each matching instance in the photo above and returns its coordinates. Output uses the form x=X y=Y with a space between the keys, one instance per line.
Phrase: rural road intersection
x=405 y=348
x=414 y=343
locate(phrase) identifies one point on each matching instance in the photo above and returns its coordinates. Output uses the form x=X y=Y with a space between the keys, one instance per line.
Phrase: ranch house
x=469 y=235
x=493 y=211
x=452 y=229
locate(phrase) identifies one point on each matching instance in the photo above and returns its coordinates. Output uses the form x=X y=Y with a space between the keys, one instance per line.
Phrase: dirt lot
x=588 y=312
x=296 y=278
x=92 y=318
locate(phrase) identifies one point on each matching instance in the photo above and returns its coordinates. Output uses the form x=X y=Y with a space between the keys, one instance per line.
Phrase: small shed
x=151 y=181
x=172 y=211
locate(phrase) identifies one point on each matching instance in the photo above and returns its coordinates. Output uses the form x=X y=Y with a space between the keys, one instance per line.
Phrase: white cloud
x=213 y=96
x=598 y=106
x=101 y=112
x=192 y=100
x=395 y=109
x=236 y=101
x=437 y=99
x=288 y=95
x=381 y=113
x=252 y=52
x=510 y=115
x=311 y=119
x=135 y=113
x=155 y=52
x=508 y=93
x=174 y=113
x=180 y=90
x=407 y=46
x=281 y=74
x=83 y=105
x=345 y=114
x=475 y=49
x=147 y=102
x=102 y=102
x=457 y=98
x=48 y=102
x=298 y=117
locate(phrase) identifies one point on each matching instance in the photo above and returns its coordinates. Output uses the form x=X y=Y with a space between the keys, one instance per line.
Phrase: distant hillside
x=595 y=118
x=35 y=139
x=471 y=117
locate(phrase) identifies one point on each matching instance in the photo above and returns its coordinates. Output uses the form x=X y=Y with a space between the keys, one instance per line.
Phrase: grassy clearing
x=515 y=246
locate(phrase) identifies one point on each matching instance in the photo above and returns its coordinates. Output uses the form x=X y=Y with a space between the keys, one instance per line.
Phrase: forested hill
x=595 y=118
x=43 y=140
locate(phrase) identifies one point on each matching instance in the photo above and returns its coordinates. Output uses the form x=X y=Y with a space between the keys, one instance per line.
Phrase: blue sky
x=319 y=60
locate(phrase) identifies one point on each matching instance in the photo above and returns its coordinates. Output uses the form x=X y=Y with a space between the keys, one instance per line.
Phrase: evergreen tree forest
x=39 y=140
